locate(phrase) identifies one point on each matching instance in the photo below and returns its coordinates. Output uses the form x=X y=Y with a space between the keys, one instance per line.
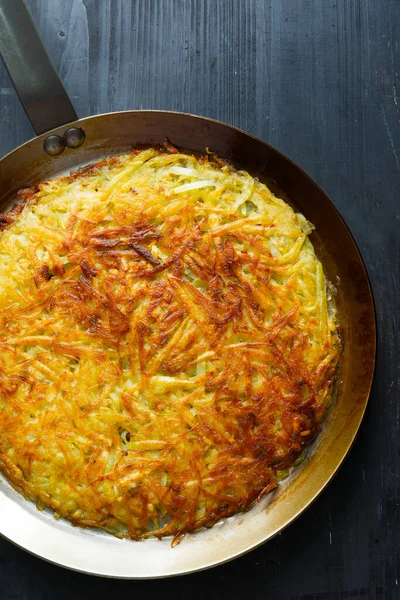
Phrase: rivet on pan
x=74 y=137
x=54 y=145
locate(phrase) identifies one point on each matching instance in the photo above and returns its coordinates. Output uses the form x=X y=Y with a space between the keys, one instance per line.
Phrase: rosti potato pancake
x=167 y=347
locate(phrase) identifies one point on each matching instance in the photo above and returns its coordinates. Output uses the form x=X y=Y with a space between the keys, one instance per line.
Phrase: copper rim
x=336 y=248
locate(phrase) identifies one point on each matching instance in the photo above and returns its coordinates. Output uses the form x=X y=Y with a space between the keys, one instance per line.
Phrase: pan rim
x=361 y=411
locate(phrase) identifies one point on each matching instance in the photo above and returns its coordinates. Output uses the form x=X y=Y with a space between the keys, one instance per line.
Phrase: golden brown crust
x=167 y=348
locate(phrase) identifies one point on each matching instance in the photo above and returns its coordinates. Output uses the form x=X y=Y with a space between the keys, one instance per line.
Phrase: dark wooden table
x=318 y=80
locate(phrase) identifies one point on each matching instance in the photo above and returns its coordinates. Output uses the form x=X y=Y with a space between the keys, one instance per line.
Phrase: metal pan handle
x=34 y=77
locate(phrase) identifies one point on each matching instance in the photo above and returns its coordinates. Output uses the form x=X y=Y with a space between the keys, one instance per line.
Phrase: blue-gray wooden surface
x=318 y=79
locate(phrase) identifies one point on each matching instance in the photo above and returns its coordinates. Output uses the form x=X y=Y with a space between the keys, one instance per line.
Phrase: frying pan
x=64 y=142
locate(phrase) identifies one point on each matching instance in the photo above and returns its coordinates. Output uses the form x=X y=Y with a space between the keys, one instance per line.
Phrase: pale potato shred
x=167 y=348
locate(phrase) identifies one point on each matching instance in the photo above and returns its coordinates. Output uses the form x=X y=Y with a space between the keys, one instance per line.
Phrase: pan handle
x=34 y=77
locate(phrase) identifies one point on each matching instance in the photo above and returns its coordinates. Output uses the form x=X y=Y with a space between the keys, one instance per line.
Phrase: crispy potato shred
x=167 y=343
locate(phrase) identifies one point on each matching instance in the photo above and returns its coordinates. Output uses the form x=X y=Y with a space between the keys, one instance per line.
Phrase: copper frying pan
x=64 y=142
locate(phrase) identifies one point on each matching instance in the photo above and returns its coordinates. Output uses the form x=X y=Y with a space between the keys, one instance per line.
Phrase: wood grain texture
x=318 y=80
